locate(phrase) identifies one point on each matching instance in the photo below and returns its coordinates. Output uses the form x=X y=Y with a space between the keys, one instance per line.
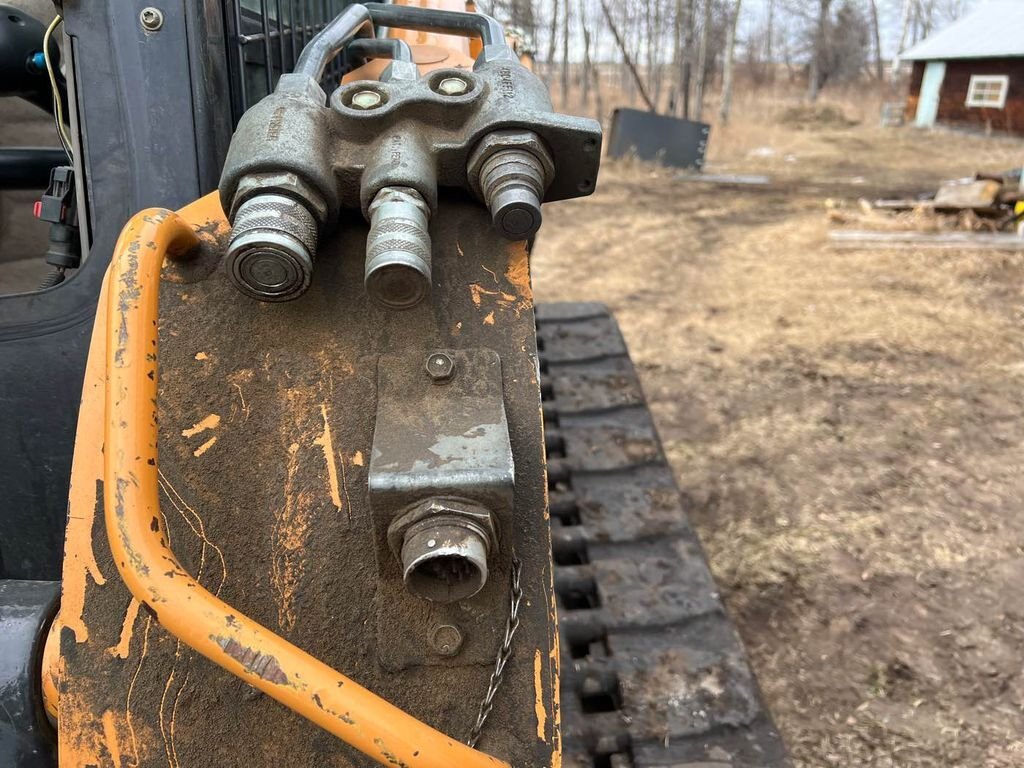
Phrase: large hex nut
x=279 y=183
x=499 y=141
x=474 y=513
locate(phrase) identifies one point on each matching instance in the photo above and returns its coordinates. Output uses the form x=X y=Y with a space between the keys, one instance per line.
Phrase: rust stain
x=357 y=458
x=204 y=447
x=327 y=444
x=538 y=689
x=110 y=738
x=489 y=320
x=210 y=422
x=263 y=665
x=123 y=647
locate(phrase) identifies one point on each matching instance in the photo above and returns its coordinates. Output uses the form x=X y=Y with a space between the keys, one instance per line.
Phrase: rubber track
x=653 y=672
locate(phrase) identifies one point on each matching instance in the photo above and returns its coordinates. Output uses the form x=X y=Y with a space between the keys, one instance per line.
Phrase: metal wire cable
x=58 y=102
x=504 y=652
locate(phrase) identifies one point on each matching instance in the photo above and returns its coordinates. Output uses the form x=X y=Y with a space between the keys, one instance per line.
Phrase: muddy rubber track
x=653 y=672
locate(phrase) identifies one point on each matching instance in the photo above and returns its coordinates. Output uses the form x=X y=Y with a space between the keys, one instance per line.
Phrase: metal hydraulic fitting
x=277 y=190
x=397 y=274
x=510 y=171
x=273 y=242
x=443 y=546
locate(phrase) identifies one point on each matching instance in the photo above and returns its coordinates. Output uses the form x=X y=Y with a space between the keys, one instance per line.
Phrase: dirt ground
x=846 y=428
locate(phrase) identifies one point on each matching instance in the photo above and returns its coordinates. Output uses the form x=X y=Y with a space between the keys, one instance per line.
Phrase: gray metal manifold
x=385 y=147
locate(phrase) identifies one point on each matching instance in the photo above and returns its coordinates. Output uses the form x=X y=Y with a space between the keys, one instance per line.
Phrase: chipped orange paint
x=204 y=447
x=538 y=690
x=477 y=292
x=210 y=422
x=357 y=458
x=111 y=738
x=52 y=670
x=80 y=564
x=326 y=442
x=202 y=356
x=80 y=744
x=489 y=319
x=124 y=643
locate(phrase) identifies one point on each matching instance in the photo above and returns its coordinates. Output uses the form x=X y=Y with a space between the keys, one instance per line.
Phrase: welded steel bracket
x=441 y=451
x=441 y=433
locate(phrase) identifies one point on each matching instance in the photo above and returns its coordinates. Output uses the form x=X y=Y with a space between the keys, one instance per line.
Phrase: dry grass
x=845 y=427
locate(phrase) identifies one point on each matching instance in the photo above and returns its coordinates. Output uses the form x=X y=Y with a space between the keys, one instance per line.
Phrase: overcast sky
x=752 y=18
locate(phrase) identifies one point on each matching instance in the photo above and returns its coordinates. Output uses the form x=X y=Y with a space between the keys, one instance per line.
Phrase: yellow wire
x=57 y=101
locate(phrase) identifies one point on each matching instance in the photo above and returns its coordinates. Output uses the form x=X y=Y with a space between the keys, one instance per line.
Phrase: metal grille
x=265 y=38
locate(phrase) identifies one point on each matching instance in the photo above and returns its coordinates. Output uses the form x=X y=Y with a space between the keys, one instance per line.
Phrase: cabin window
x=988 y=91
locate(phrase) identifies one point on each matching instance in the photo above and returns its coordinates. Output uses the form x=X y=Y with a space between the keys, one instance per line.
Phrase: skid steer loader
x=337 y=493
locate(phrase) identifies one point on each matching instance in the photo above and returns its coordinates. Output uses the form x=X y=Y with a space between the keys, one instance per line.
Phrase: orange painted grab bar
x=149 y=568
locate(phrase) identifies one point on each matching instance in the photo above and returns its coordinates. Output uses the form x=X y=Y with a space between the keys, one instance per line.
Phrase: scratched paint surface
x=272 y=516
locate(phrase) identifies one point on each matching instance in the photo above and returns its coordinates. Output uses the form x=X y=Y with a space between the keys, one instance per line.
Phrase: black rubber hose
x=28 y=167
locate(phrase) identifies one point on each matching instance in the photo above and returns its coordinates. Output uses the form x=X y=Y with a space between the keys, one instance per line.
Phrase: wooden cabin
x=971 y=73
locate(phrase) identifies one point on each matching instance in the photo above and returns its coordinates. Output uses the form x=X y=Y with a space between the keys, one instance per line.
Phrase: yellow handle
x=153 y=574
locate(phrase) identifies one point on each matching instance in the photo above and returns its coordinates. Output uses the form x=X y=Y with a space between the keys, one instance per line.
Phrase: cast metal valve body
x=490 y=131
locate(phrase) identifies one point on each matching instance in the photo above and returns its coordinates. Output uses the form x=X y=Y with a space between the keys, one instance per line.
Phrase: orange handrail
x=140 y=547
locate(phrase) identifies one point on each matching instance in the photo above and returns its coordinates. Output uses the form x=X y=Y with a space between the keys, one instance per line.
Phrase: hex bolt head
x=366 y=99
x=151 y=19
x=452 y=86
x=440 y=367
x=446 y=639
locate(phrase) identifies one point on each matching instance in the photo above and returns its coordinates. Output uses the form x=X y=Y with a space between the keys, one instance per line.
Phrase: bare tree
x=590 y=73
x=814 y=78
x=553 y=33
x=702 y=63
x=904 y=29
x=565 y=52
x=619 y=41
x=730 y=55
x=879 y=66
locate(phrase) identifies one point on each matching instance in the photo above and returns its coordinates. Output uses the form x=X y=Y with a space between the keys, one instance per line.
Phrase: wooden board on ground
x=959 y=241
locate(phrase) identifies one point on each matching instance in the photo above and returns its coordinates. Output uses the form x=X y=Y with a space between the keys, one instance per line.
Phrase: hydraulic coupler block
x=394 y=149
